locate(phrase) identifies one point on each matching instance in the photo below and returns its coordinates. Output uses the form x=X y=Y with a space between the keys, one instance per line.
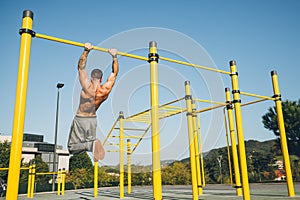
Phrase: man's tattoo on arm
x=82 y=62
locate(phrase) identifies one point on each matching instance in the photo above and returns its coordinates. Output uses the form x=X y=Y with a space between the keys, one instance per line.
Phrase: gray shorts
x=82 y=134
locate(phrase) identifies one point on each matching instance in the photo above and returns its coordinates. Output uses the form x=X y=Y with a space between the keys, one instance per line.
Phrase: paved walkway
x=210 y=192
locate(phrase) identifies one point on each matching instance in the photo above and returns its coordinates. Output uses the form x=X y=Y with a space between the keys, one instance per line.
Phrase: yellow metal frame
x=96 y=167
x=239 y=128
x=196 y=146
x=121 y=151
x=283 y=141
x=236 y=167
x=156 y=169
x=128 y=166
x=20 y=107
x=191 y=136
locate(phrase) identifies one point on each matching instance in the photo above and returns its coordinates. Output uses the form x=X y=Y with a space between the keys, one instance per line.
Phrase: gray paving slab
x=210 y=192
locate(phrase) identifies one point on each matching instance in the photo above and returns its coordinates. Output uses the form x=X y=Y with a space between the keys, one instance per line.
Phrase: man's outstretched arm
x=115 y=70
x=83 y=76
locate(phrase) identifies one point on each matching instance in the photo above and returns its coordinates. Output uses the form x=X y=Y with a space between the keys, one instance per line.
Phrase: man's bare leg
x=98 y=151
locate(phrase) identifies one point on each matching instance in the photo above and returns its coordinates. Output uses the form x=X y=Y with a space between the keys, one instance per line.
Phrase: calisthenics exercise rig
x=27 y=34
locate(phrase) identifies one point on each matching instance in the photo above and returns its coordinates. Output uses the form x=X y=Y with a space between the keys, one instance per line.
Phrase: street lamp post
x=59 y=85
x=220 y=167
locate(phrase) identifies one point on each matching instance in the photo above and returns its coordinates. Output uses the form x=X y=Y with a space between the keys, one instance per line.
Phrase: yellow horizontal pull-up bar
x=209 y=101
x=253 y=102
x=193 y=65
x=257 y=96
x=55 y=39
x=209 y=108
x=82 y=45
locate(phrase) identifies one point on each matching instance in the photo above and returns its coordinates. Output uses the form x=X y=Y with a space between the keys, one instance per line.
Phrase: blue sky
x=260 y=35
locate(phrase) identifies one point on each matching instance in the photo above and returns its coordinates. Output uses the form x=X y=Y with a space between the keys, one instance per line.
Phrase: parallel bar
x=45 y=173
x=193 y=65
x=257 y=96
x=55 y=39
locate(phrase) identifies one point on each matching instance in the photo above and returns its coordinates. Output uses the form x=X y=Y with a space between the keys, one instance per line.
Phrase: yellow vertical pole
x=58 y=181
x=283 y=141
x=197 y=158
x=96 y=166
x=29 y=181
x=236 y=167
x=128 y=166
x=63 y=181
x=239 y=128
x=32 y=182
x=20 y=105
x=156 y=169
x=121 y=144
x=201 y=153
x=188 y=98
x=228 y=152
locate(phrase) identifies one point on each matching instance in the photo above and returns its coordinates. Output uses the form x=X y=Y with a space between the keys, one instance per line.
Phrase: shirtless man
x=83 y=128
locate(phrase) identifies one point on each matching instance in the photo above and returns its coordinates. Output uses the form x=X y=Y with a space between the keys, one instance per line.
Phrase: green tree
x=291 y=114
x=80 y=177
x=81 y=170
x=40 y=166
x=79 y=161
x=177 y=174
x=4 y=158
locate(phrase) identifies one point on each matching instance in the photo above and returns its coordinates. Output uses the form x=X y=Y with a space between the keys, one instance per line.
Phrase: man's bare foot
x=98 y=151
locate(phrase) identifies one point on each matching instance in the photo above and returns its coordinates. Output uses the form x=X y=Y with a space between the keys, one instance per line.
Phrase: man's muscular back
x=93 y=94
x=90 y=101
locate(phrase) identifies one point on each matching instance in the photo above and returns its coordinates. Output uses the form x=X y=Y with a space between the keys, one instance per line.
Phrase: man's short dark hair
x=96 y=73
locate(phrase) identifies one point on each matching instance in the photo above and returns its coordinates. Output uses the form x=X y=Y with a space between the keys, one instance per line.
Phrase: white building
x=33 y=145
